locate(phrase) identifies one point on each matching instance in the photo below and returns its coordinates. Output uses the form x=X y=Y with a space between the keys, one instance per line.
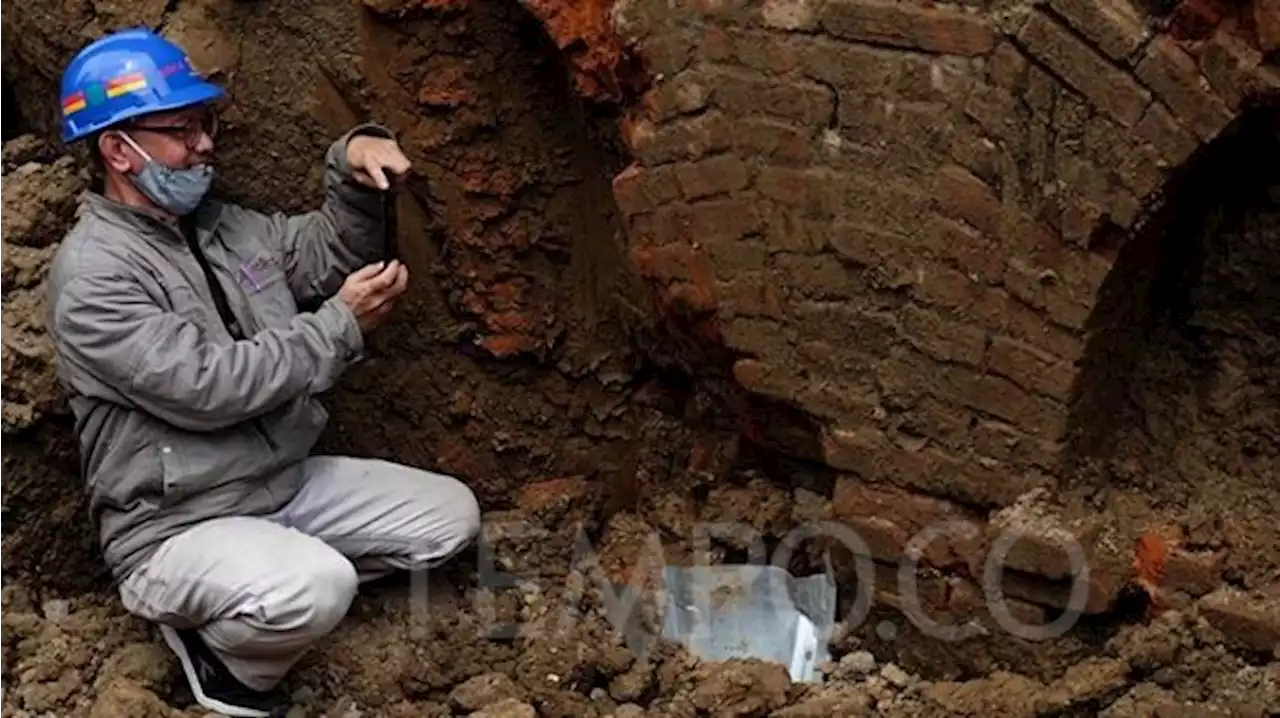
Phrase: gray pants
x=263 y=589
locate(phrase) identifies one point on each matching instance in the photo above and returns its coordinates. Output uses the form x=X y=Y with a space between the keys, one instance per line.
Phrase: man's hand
x=371 y=292
x=371 y=158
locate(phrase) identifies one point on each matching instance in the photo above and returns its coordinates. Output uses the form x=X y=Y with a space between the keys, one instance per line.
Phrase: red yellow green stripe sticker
x=126 y=83
x=73 y=103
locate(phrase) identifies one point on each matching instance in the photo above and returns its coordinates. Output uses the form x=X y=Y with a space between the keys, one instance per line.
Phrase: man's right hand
x=371 y=292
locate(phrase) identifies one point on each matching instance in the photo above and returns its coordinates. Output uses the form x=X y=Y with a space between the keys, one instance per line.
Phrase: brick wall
x=900 y=217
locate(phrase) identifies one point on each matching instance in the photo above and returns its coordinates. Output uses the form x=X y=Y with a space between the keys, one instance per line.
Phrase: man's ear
x=115 y=152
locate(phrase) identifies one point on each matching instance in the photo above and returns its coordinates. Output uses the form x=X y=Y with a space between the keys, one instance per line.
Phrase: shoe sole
x=176 y=645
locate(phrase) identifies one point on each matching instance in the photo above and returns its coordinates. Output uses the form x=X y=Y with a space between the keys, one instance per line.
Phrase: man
x=193 y=375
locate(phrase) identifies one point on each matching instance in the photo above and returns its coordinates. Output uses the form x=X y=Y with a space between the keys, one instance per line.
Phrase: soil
x=397 y=656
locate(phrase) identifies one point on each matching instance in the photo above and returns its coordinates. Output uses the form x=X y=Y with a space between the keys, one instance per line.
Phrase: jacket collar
x=138 y=219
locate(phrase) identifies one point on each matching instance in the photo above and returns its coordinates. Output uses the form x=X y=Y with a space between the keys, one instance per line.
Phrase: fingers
x=368 y=271
x=378 y=176
x=372 y=158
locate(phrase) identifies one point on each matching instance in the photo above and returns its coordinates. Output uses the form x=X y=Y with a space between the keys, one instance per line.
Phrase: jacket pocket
x=193 y=463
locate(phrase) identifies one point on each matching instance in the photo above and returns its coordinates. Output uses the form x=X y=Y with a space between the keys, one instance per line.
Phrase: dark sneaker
x=214 y=686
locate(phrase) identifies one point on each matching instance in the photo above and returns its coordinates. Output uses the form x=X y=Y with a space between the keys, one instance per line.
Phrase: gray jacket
x=177 y=421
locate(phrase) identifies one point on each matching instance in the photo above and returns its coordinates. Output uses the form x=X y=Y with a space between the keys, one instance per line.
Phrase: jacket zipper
x=223 y=305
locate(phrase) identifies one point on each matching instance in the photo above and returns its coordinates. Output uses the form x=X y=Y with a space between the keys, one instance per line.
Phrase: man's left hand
x=371 y=158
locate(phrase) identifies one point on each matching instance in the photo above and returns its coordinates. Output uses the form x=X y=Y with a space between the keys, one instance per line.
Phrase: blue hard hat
x=126 y=74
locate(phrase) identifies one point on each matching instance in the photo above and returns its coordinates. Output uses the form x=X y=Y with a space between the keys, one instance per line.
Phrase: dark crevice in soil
x=15 y=122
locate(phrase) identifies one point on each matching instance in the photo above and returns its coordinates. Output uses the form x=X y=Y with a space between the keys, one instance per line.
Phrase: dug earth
x=996 y=266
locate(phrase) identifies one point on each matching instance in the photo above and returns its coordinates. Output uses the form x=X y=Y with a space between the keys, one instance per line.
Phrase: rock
x=507 y=708
x=895 y=675
x=56 y=609
x=484 y=690
x=1089 y=680
x=629 y=710
x=149 y=665
x=741 y=688
x=858 y=663
x=123 y=699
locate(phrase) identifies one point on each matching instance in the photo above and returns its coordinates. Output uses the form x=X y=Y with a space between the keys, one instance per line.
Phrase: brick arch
x=900 y=216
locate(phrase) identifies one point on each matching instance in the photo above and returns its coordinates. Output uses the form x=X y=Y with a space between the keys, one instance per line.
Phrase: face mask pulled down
x=178 y=192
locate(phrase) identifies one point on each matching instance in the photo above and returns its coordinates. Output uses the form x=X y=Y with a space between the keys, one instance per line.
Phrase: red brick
x=1137 y=164
x=790 y=14
x=943 y=339
x=1007 y=66
x=1163 y=132
x=1112 y=25
x=771 y=139
x=971 y=480
x=821 y=276
x=1031 y=327
x=861 y=450
x=743 y=92
x=869 y=246
x=1101 y=591
x=934 y=29
x=682 y=139
x=1040 y=289
x=766 y=52
x=1003 y=442
x=727 y=9
x=973 y=252
x=891 y=517
x=845 y=324
x=1173 y=76
x=1235 y=69
x=941 y=421
x=753 y=296
x=1002 y=398
x=666 y=52
x=717 y=44
x=766 y=379
x=637 y=189
x=758 y=336
x=1030 y=368
x=722 y=220
x=970 y=301
x=1108 y=88
x=1251 y=621
x=891 y=203
x=1195 y=572
x=732 y=260
x=670 y=261
x=717 y=175
x=868 y=71
x=1044 y=539
x=961 y=195
x=684 y=93
x=816 y=191
x=791 y=231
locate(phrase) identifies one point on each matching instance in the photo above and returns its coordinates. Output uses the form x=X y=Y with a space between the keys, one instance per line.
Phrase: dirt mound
x=435 y=655
x=39 y=196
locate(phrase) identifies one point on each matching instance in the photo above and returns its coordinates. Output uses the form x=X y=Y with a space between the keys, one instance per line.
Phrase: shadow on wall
x=1178 y=387
x=15 y=123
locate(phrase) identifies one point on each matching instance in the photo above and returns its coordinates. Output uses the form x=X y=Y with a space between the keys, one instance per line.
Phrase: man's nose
x=204 y=146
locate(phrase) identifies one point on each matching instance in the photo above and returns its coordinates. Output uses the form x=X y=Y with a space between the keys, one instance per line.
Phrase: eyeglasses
x=189 y=132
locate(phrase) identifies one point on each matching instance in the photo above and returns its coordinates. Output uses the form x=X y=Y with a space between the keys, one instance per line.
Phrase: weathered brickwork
x=891 y=210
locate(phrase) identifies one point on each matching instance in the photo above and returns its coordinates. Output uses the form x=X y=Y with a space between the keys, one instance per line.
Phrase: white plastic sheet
x=751 y=611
